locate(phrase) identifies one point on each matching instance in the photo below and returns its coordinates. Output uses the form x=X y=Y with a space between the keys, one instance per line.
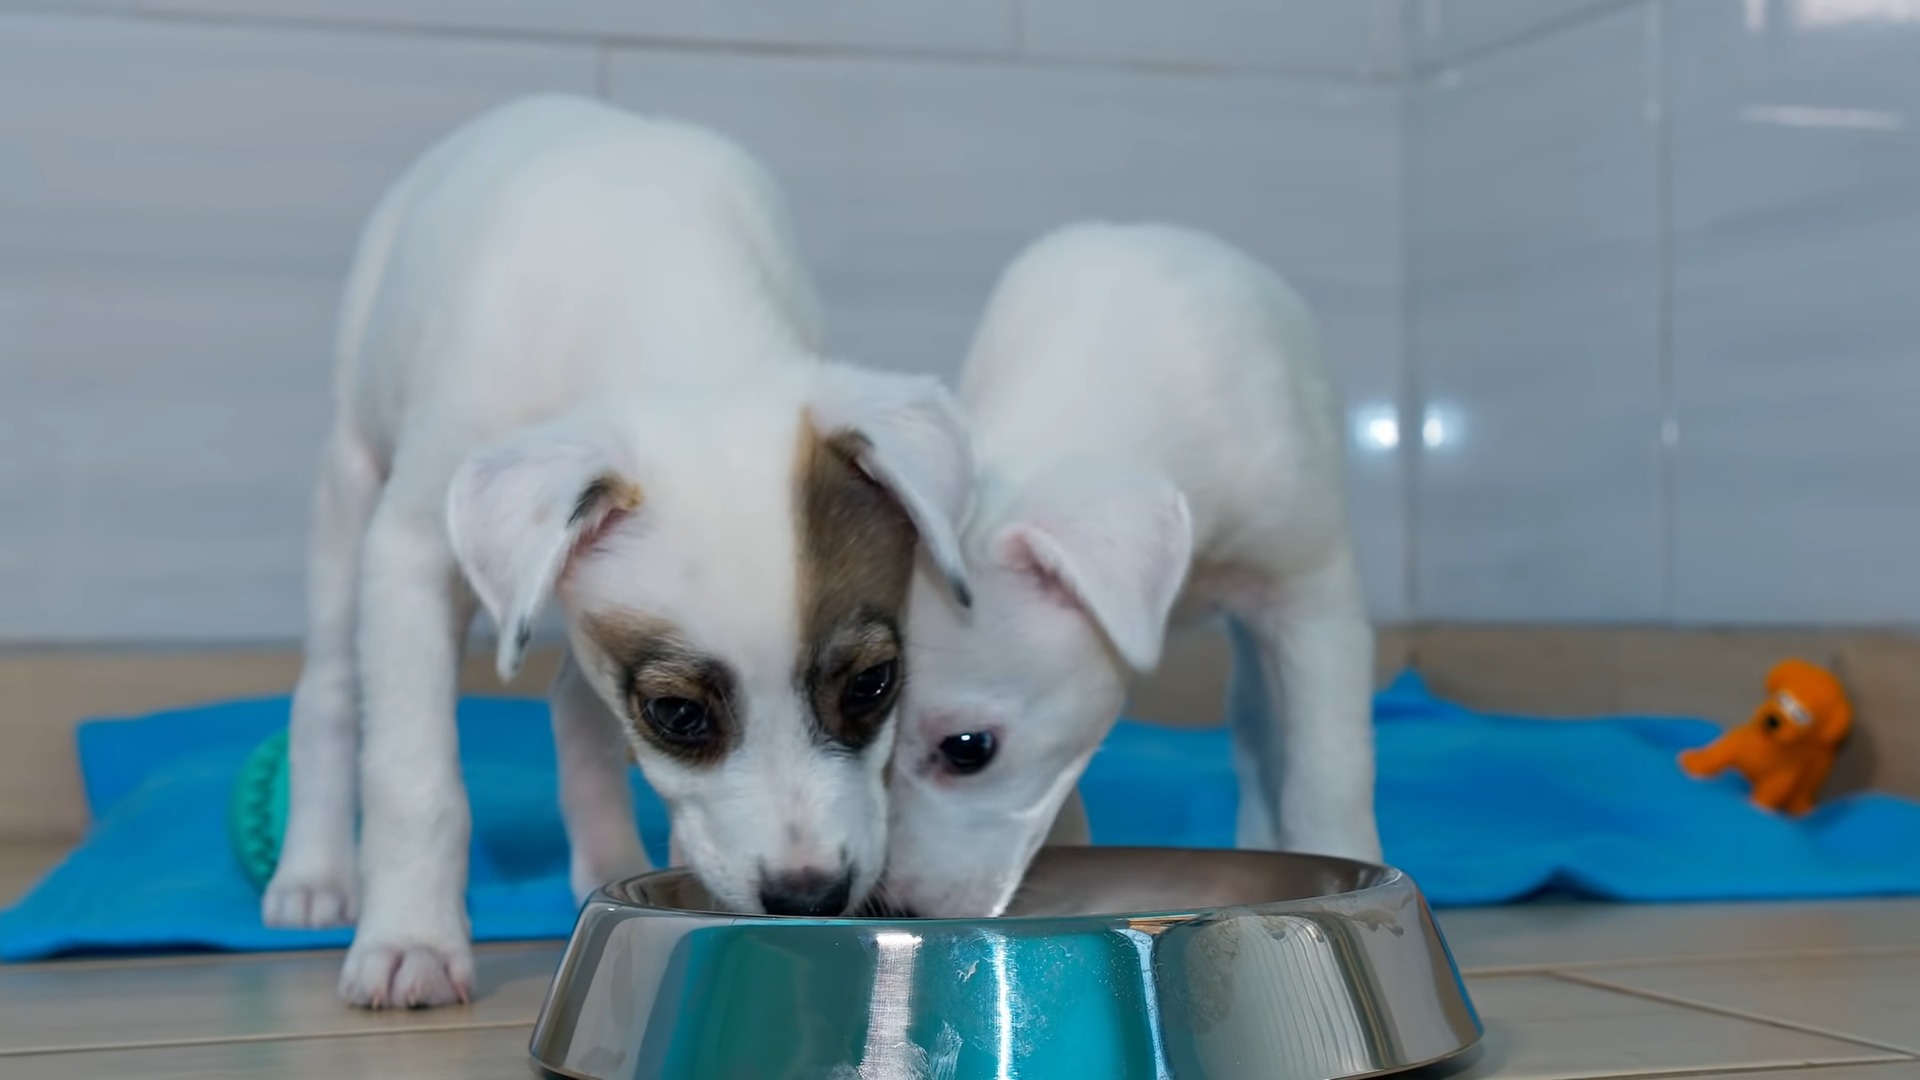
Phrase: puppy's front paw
x=407 y=975
x=302 y=899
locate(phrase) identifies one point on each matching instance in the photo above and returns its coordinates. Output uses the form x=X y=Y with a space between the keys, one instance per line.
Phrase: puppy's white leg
x=412 y=944
x=1257 y=749
x=1315 y=758
x=313 y=885
x=595 y=800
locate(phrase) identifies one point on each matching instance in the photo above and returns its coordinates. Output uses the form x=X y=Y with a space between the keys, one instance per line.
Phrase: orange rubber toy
x=1787 y=748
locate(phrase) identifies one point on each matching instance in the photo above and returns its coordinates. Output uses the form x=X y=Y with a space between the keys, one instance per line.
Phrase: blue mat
x=1480 y=809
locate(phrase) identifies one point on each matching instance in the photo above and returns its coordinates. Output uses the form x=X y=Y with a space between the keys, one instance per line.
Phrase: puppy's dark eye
x=968 y=752
x=678 y=719
x=1772 y=722
x=869 y=688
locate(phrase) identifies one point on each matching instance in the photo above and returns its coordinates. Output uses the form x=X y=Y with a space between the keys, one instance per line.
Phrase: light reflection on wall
x=1442 y=427
x=1817 y=14
x=1376 y=428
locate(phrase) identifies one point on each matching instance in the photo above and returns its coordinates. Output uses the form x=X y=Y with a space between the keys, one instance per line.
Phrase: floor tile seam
x=1690 y=959
x=141 y=963
x=264 y=1037
x=1903 y=1053
x=1785 y=1071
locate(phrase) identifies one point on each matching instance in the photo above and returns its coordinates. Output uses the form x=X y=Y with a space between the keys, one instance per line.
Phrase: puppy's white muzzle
x=955 y=858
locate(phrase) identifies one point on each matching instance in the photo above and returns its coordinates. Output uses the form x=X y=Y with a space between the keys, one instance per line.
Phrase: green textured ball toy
x=257 y=814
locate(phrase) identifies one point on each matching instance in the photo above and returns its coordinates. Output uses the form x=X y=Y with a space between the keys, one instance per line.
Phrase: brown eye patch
x=854 y=680
x=680 y=701
x=856 y=563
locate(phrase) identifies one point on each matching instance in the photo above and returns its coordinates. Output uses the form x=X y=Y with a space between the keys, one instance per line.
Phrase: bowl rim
x=1390 y=877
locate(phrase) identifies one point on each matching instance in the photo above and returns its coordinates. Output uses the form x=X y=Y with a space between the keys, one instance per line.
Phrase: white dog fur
x=1157 y=440
x=578 y=358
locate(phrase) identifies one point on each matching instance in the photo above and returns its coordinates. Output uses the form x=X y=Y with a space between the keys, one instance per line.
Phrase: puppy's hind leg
x=595 y=799
x=313 y=885
x=1312 y=748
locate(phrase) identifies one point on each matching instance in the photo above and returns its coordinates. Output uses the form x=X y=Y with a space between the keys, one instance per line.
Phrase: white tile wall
x=914 y=184
x=180 y=186
x=177 y=204
x=939 y=25
x=1364 y=38
x=1351 y=37
x=1746 y=280
x=1534 y=273
x=1445 y=30
x=1796 y=205
x=180 y=182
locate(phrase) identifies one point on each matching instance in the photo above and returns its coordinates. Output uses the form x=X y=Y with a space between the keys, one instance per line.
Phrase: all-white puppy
x=578 y=358
x=1156 y=440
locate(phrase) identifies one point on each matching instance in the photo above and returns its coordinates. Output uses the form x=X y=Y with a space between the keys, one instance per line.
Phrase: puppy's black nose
x=807 y=892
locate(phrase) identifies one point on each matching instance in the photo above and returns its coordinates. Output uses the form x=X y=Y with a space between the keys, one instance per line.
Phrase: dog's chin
x=886 y=903
x=732 y=903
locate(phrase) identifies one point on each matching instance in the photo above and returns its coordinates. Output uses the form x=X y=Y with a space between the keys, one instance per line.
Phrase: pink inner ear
x=1016 y=553
x=593 y=530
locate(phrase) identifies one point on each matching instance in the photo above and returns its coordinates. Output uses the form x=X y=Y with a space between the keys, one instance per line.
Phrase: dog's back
x=1164 y=349
x=551 y=249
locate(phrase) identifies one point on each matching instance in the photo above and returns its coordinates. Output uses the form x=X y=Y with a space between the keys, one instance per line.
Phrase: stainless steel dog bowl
x=1226 y=965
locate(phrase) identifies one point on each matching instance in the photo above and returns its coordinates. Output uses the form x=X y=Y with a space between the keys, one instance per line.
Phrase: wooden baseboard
x=1551 y=671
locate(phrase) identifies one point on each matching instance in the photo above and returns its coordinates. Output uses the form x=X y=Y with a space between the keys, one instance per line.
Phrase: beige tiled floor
x=1758 y=992
x=1586 y=935
x=1898 y=1070
x=1865 y=997
x=97 y=1004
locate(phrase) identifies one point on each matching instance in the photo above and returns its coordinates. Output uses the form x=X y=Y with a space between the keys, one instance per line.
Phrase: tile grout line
x=1408 y=407
x=603 y=71
x=990 y=58
x=1690 y=958
x=1785 y=1072
x=1905 y=1053
x=1660 y=105
x=336 y=953
x=1550 y=28
x=1505 y=971
x=300 y=1036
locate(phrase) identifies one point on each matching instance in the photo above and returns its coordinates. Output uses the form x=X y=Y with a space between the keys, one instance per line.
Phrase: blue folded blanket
x=1479 y=809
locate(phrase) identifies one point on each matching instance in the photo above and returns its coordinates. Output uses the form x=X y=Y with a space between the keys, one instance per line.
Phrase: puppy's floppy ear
x=915 y=443
x=516 y=513
x=1116 y=545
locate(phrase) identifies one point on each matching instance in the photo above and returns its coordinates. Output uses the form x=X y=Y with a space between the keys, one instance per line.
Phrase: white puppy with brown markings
x=1157 y=440
x=578 y=358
